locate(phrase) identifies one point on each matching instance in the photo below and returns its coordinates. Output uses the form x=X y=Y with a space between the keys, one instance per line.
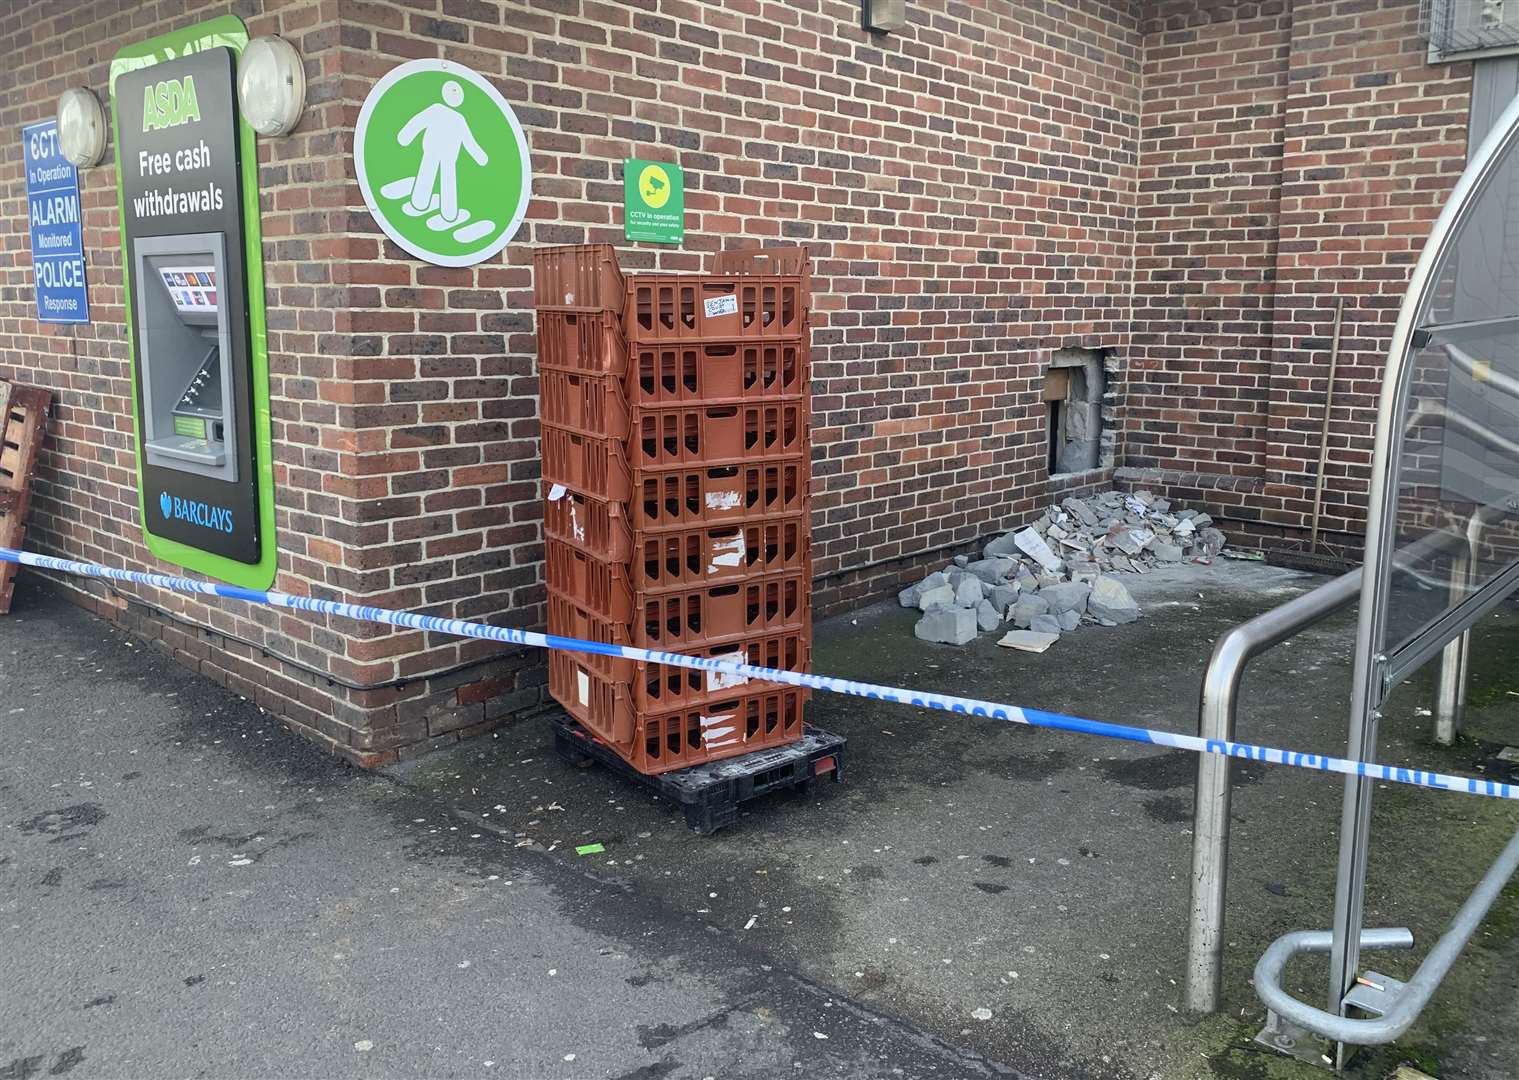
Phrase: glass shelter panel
x=1457 y=469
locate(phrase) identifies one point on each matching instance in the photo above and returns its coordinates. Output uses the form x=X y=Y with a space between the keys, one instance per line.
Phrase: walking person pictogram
x=445 y=133
x=434 y=190
x=442 y=162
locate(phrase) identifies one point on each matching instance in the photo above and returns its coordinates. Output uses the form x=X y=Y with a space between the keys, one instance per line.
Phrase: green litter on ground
x=589 y=849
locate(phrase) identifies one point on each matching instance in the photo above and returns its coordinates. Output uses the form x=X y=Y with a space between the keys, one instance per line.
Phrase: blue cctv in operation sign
x=52 y=206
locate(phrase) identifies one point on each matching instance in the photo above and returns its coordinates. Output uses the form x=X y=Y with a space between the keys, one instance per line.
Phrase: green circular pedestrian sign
x=442 y=162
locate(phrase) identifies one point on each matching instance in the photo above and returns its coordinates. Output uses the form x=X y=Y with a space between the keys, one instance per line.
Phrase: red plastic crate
x=719 y=727
x=598 y=587
x=569 y=620
x=597 y=467
x=680 y=620
x=594 y=526
x=763 y=260
x=668 y=686
x=719 y=554
x=654 y=688
x=711 y=307
x=716 y=495
x=663 y=687
x=693 y=373
x=604 y=707
x=589 y=404
x=715 y=434
x=581 y=277
x=587 y=342
x=716 y=730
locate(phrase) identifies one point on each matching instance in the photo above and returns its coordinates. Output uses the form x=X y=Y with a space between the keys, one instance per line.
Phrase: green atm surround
x=257 y=572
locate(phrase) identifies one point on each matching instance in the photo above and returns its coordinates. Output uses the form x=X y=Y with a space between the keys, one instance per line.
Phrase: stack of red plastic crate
x=676 y=437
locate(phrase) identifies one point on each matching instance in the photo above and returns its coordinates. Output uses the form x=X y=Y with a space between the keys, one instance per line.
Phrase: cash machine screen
x=192 y=288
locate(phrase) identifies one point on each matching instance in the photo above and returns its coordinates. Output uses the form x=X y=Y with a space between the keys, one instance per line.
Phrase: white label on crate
x=728 y=552
x=720 y=305
x=723 y=500
x=722 y=680
x=718 y=730
x=557 y=492
x=583 y=685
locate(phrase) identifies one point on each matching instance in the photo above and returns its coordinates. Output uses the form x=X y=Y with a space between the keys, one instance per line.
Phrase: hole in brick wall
x=1074 y=385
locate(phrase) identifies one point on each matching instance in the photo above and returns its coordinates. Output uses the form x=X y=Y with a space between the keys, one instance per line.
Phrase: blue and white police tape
x=946 y=702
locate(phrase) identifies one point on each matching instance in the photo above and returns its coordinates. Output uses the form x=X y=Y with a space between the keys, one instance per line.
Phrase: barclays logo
x=205 y=516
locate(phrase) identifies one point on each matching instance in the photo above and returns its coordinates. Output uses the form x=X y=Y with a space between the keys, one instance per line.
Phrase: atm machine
x=187 y=169
x=188 y=387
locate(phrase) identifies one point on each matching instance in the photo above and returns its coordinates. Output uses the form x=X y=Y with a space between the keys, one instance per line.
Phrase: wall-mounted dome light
x=271 y=85
x=883 y=16
x=81 y=127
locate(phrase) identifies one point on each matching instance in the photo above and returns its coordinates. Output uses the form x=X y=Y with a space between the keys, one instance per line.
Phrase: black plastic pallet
x=710 y=794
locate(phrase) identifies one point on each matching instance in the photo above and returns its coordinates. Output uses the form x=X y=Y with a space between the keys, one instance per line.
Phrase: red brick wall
x=989 y=185
x=966 y=187
x=327 y=501
x=1215 y=81
x=1292 y=153
x=1375 y=140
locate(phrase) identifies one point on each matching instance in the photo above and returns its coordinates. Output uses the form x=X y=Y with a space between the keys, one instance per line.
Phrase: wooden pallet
x=23 y=422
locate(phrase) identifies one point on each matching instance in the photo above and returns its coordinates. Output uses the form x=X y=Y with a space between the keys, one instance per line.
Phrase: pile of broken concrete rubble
x=1058 y=572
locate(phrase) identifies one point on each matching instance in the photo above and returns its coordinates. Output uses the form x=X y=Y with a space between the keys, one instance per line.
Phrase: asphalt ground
x=188 y=889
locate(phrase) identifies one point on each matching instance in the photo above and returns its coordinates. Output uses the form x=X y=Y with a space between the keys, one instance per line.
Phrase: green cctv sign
x=653 y=202
x=442 y=162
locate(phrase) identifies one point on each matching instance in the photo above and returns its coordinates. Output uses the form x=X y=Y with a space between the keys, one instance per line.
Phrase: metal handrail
x=1408 y=1000
x=1216 y=720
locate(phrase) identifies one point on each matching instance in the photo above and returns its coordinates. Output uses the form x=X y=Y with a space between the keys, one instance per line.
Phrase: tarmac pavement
x=187 y=889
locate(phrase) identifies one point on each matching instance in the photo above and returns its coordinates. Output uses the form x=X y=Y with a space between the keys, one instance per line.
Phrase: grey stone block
x=987 y=616
x=1044 y=624
x=1079 y=509
x=948 y=626
x=941 y=597
x=1069 y=620
x=1026 y=609
x=1111 y=602
x=1129 y=539
x=1067 y=596
x=908 y=597
x=992 y=571
x=968 y=593
x=1003 y=597
x=1166 y=552
x=1002 y=546
x=1085 y=572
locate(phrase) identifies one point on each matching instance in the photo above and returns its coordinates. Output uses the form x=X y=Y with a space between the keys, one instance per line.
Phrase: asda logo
x=169 y=104
x=173 y=508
